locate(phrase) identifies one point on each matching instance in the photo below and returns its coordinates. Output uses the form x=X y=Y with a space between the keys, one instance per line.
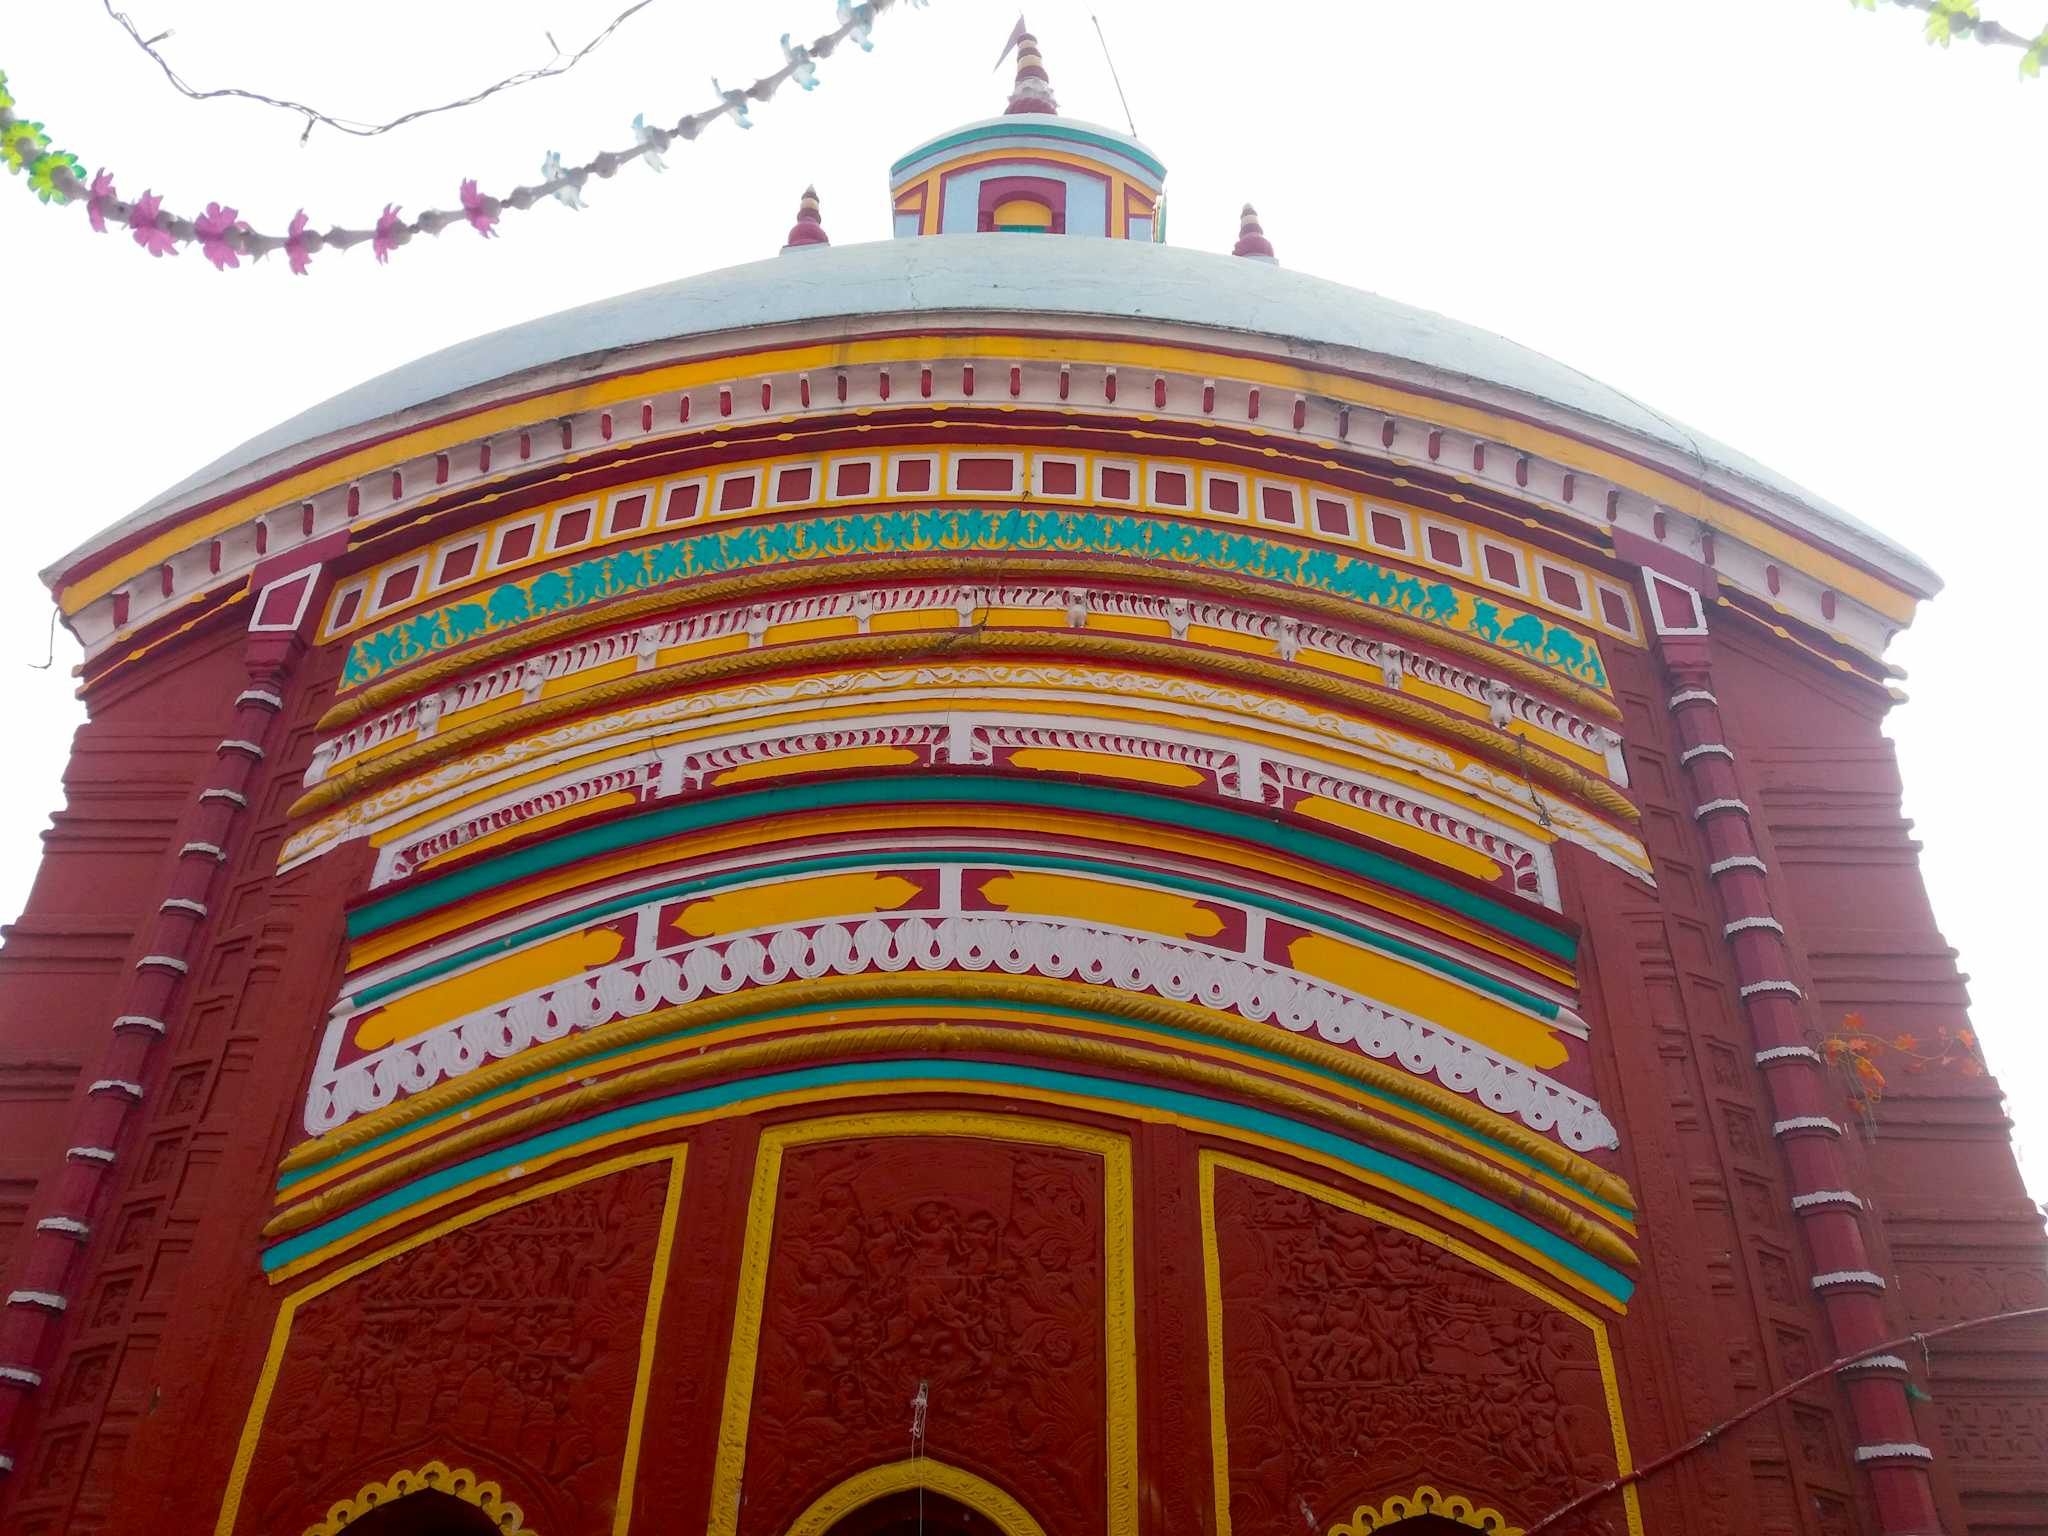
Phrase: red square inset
x=736 y=494
x=1116 y=484
x=984 y=475
x=1502 y=565
x=913 y=475
x=682 y=503
x=457 y=563
x=1445 y=547
x=571 y=528
x=1562 y=588
x=853 y=479
x=1333 y=517
x=345 y=614
x=398 y=586
x=792 y=485
x=628 y=513
x=1276 y=505
x=1225 y=496
x=1170 y=488
x=515 y=544
x=1058 y=477
x=1614 y=609
x=1389 y=531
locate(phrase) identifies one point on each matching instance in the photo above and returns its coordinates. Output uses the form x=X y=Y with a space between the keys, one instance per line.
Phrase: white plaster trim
x=1692 y=696
x=942 y=941
x=163 y=962
x=117 y=1085
x=1878 y=1363
x=1760 y=988
x=1820 y=1197
x=259 y=696
x=6 y=1462
x=1702 y=812
x=182 y=904
x=1744 y=924
x=21 y=1375
x=213 y=851
x=1705 y=749
x=1786 y=1053
x=1738 y=861
x=1805 y=1123
x=70 y=1226
x=90 y=1154
x=1891 y=1449
x=139 y=1021
x=232 y=796
x=236 y=744
x=1836 y=1277
x=49 y=1301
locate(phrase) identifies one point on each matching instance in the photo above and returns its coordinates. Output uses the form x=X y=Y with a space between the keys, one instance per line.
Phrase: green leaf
x=2030 y=63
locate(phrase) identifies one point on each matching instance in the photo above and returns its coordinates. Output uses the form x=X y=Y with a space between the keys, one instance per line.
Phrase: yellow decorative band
x=434 y=1477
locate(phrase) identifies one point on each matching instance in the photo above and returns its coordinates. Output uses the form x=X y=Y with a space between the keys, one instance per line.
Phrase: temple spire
x=1251 y=239
x=1033 y=90
x=809 y=228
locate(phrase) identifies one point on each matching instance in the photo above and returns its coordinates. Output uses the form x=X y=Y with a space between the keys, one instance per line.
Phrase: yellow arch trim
x=1454 y=1507
x=434 y=1477
x=979 y=1494
x=1880 y=594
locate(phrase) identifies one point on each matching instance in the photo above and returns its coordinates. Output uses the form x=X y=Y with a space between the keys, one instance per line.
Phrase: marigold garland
x=224 y=237
x=1855 y=1050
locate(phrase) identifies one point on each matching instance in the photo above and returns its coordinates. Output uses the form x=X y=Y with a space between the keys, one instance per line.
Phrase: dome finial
x=1251 y=239
x=808 y=229
x=1033 y=90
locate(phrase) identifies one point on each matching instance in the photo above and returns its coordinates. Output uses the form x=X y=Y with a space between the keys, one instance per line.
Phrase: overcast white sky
x=1786 y=222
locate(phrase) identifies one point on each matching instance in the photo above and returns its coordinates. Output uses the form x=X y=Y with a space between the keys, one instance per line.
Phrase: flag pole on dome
x=1017 y=35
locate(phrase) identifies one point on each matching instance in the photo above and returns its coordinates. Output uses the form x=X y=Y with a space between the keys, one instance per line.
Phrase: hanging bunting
x=57 y=177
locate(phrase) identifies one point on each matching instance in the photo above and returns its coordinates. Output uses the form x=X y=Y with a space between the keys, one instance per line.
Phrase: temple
x=1015 y=880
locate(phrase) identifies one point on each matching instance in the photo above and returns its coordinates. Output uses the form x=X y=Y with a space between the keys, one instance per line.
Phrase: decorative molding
x=1454 y=1508
x=1797 y=1123
x=1837 y=1277
x=1708 y=808
x=1773 y=1053
x=1692 y=696
x=1894 y=1450
x=433 y=1477
x=1748 y=924
x=1751 y=989
x=1825 y=1197
x=49 y=1301
x=1738 y=861
x=1181 y=972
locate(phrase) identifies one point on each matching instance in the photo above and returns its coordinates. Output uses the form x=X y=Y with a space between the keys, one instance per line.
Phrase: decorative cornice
x=433 y=1477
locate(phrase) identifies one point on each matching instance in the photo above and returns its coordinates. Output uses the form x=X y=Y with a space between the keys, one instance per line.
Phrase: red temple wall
x=148 y=1398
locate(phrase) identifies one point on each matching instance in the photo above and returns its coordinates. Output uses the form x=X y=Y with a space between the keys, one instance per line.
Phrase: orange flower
x=1906 y=1043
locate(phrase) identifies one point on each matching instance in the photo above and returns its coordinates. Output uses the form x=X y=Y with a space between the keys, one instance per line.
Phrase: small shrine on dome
x=1029 y=171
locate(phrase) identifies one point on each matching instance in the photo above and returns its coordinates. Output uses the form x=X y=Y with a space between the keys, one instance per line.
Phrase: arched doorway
x=901 y=1514
x=884 y=1501
x=425 y=1513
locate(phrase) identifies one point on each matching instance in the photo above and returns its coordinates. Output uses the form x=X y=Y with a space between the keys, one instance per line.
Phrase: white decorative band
x=1016 y=946
x=1744 y=924
x=1892 y=1449
x=1836 y=1277
x=232 y=796
x=1758 y=988
x=6 y=1462
x=117 y=1085
x=139 y=1021
x=1692 y=696
x=1705 y=749
x=1702 y=812
x=90 y=1154
x=182 y=904
x=162 y=963
x=1805 y=1123
x=21 y=1375
x=1817 y=1197
x=1786 y=1053
x=259 y=696
x=236 y=744
x=1737 y=861
x=49 y=1301
x=1878 y=1363
x=211 y=850
x=70 y=1226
